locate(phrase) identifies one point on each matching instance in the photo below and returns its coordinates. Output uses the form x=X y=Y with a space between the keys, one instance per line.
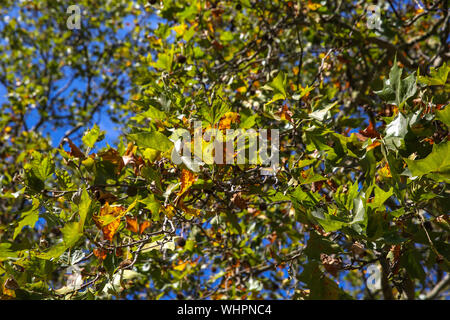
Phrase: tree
x=356 y=207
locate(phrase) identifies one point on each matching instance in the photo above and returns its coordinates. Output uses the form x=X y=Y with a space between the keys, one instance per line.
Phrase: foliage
x=364 y=154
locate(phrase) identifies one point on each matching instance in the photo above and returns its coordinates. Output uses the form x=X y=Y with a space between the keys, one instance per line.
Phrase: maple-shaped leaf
x=132 y=224
x=370 y=131
x=227 y=119
x=187 y=180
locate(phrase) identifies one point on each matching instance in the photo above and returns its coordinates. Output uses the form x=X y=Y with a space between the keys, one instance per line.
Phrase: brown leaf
x=370 y=131
x=125 y=264
x=187 y=180
x=11 y=284
x=144 y=225
x=100 y=253
x=358 y=249
x=284 y=113
x=74 y=150
x=332 y=265
x=238 y=201
x=113 y=156
x=132 y=224
x=108 y=220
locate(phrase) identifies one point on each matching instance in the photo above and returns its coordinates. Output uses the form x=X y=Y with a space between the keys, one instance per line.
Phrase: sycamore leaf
x=396 y=131
x=6 y=252
x=380 y=197
x=154 y=140
x=436 y=165
x=437 y=77
x=108 y=219
x=29 y=218
x=42 y=167
x=132 y=224
x=278 y=84
x=91 y=136
x=187 y=180
x=323 y=113
x=444 y=115
x=227 y=119
x=309 y=176
x=397 y=90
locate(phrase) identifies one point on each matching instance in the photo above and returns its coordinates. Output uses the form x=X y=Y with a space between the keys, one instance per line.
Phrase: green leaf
x=278 y=84
x=318 y=244
x=41 y=166
x=6 y=252
x=396 y=131
x=84 y=208
x=152 y=204
x=329 y=222
x=436 y=165
x=411 y=261
x=395 y=90
x=164 y=62
x=444 y=115
x=151 y=113
x=91 y=136
x=321 y=287
x=309 y=176
x=29 y=218
x=437 y=77
x=380 y=197
x=71 y=234
x=154 y=139
x=323 y=113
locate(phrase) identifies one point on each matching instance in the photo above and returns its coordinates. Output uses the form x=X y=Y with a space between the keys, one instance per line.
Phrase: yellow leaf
x=313 y=6
x=187 y=180
x=228 y=119
x=180 y=29
x=181 y=266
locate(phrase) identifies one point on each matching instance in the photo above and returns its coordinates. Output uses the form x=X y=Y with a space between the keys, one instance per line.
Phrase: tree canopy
x=354 y=98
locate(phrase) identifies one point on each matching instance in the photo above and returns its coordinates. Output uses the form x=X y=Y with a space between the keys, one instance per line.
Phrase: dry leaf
x=332 y=265
x=370 y=131
x=187 y=180
x=108 y=220
x=100 y=253
x=144 y=225
x=228 y=119
x=132 y=224
x=74 y=150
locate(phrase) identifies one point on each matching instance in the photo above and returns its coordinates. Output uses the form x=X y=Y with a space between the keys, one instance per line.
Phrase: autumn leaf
x=370 y=131
x=187 y=180
x=114 y=157
x=132 y=224
x=228 y=119
x=284 y=113
x=74 y=150
x=108 y=220
x=100 y=253
x=143 y=226
x=373 y=145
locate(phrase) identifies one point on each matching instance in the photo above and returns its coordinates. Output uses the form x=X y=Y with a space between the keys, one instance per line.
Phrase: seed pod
x=11 y=284
x=43 y=243
x=125 y=264
x=181 y=242
x=132 y=191
x=181 y=59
